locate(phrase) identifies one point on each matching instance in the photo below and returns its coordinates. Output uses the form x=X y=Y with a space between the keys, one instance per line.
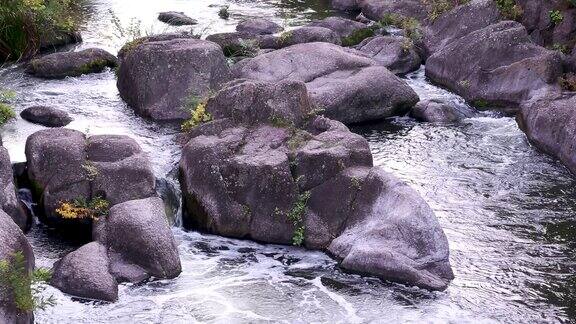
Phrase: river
x=507 y=210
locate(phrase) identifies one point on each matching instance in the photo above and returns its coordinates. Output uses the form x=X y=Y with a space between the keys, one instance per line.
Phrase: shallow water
x=507 y=209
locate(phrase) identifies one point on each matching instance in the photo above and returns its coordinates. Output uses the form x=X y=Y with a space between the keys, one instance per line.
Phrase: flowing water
x=507 y=210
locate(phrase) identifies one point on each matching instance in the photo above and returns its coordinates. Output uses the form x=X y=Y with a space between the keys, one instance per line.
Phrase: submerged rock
x=506 y=69
x=138 y=232
x=258 y=26
x=345 y=84
x=46 y=116
x=71 y=64
x=397 y=53
x=12 y=241
x=292 y=177
x=64 y=166
x=158 y=75
x=437 y=110
x=84 y=273
x=9 y=201
x=176 y=18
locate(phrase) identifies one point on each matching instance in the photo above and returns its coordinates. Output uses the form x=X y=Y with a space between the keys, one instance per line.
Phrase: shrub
x=25 y=23
x=560 y=48
x=199 y=115
x=23 y=285
x=224 y=13
x=84 y=209
x=6 y=113
x=410 y=25
x=556 y=17
x=509 y=9
x=295 y=216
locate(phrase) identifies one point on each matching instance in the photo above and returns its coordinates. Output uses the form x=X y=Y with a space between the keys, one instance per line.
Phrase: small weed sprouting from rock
x=224 y=12
x=438 y=7
x=297 y=139
x=357 y=36
x=199 y=115
x=556 y=17
x=295 y=215
x=509 y=9
x=410 y=25
x=560 y=48
x=568 y=81
x=24 y=286
x=90 y=170
x=356 y=183
x=82 y=209
x=284 y=38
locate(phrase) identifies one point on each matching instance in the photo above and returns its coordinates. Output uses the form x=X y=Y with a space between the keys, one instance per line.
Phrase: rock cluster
x=268 y=169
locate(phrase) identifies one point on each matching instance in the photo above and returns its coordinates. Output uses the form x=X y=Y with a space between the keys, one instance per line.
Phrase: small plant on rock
x=6 y=113
x=24 y=286
x=410 y=25
x=568 y=81
x=84 y=209
x=556 y=17
x=509 y=9
x=295 y=215
x=199 y=115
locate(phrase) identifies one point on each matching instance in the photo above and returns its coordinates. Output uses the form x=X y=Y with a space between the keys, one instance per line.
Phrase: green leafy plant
x=556 y=17
x=25 y=24
x=560 y=48
x=295 y=215
x=25 y=287
x=6 y=113
x=199 y=115
x=84 y=209
x=90 y=170
x=410 y=25
x=509 y=9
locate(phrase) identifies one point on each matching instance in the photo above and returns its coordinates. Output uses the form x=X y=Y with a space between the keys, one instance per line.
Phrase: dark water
x=508 y=211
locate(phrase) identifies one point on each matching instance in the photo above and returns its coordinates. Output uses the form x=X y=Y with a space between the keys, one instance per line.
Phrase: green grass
x=24 y=285
x=357 y=36
x=25 y=23
x=295 y=215
x=6 y=113
x=509 y=9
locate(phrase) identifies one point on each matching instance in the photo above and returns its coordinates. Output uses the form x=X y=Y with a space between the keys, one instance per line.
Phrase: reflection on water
x=508 y=211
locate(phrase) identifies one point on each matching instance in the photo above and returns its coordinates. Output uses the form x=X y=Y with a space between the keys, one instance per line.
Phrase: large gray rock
x=347 y=85
x=497 y=66
x=64 y=64
x=392 y=233
x=550 y=124
x=438 y=110
x=377 y=9
x=137 y=232
x=156 y=75
x=12 y=241
x=258 y=26
x=46 y=116
x=459 y=22
x=9 y=201
x=396 y=53
x=64 y=165
x=306 y=184
x=84 y=273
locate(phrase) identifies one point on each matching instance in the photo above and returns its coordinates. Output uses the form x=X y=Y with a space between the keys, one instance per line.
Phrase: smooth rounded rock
x=46 y=116
x=71 y=64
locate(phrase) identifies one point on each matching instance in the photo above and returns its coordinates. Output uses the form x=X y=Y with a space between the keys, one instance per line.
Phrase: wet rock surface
x=46 y=116
x=71 y=64
x=344 y=83
x=157 y=75
x=291 y=177
x=176 y=18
